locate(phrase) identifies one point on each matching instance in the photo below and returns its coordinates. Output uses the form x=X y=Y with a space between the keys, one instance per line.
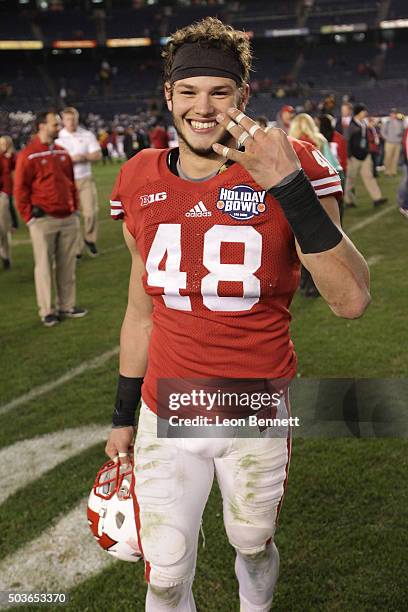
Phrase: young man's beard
x=202 y=151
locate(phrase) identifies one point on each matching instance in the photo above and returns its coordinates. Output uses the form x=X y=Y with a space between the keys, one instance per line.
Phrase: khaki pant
x=365 y=168
x=54 y=246
x=5 y=226
x=88 y=201
x=391 y=158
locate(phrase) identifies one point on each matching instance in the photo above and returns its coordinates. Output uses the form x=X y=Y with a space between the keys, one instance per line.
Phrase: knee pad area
x=248 y=539
x=163 y=545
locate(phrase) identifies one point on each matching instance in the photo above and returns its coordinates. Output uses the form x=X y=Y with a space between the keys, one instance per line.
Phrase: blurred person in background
x=346 y=115
x=373 y=143
x=284 y=118
x=8 y=151
x=84 y=149
x=130 y=142
x=5 y=216
x=328 y=105
x=158 y=135
x=402 y=197
x=392 y=131
x=338 y=148
x=47 y=200
x=134 y=141
x=113 y=144
x=103 y=139
x=304 y=128
x=359 y=160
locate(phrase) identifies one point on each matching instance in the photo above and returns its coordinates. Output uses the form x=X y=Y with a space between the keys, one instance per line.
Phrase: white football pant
x=173 y=481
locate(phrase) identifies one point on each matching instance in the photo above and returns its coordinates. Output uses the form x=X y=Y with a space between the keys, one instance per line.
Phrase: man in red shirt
x=217 y=229
x=158 y=136
x=284 y=117
x=46 y=198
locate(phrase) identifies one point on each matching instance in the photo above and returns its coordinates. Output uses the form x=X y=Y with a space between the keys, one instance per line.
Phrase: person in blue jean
x=402 y=196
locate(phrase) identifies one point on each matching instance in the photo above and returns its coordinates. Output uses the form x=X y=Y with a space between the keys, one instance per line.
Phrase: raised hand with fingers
x=268 y=157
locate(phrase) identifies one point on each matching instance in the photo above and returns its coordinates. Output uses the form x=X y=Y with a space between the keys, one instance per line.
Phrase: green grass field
x=343 y=527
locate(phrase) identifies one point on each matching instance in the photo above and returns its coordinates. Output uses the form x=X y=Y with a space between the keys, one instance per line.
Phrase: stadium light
x=345 y=27
x=394 y=23
x=20 y=45
x=128 y=42
x=74 y=44
x=286 y=32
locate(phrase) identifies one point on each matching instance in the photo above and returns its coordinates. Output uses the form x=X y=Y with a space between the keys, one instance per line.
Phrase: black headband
x=192 y=59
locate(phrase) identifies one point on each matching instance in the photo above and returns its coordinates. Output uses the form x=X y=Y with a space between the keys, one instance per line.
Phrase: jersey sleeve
x=320 y=172
x=119 y=204
x=116 y=206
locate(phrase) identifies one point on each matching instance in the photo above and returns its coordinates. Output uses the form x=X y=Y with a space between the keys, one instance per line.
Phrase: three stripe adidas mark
x=199 y=210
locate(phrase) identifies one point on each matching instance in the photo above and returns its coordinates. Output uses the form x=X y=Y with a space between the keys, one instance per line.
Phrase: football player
x=217 y=229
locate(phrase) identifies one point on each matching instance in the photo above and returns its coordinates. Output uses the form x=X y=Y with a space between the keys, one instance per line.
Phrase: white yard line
x=64 y=555
x=32 y=458
x=118 y=247
x=15 y=243
x=371 y=219
x=374 y=259
x=69 y=375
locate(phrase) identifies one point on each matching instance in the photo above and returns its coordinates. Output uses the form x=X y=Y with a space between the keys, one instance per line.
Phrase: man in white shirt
x=83 y=149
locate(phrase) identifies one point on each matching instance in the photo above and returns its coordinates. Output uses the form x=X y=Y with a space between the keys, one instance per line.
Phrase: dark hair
x=262 y=120
x=358 y=108
x=326 y=127
x=214 y=33
x=41 y=117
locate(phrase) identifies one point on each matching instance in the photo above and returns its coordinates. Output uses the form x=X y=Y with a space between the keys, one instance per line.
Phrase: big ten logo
x=152 y=197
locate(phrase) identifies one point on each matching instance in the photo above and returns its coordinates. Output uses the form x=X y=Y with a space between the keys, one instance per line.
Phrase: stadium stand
x=327 y=12
x=366 y=63
x=398 y=9
x=66 y=25
x=15 y=29
x=121 y=23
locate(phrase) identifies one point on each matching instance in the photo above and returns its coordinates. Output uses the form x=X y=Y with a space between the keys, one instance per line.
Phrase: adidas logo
x=199 y=210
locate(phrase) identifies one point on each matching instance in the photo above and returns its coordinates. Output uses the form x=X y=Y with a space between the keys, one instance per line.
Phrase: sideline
x=69 y=375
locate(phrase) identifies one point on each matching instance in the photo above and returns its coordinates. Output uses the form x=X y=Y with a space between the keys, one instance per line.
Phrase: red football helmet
x=113 y=511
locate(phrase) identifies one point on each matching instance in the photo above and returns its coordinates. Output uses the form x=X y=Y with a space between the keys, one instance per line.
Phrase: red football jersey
x=221 y=267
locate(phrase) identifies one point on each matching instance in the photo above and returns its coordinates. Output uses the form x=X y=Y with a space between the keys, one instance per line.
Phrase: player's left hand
x=118 y=444
x=268 y=157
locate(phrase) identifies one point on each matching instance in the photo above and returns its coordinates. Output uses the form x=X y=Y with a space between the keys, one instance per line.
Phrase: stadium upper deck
x=303 y=49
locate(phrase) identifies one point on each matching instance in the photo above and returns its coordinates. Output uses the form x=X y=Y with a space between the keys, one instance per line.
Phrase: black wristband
x=128 y=397
x=312 y=226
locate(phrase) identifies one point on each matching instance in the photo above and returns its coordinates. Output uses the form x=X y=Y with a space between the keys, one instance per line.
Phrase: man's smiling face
x=194 y=104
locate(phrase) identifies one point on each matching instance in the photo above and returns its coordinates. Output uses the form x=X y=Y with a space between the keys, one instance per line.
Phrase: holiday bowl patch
x=241 y=202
